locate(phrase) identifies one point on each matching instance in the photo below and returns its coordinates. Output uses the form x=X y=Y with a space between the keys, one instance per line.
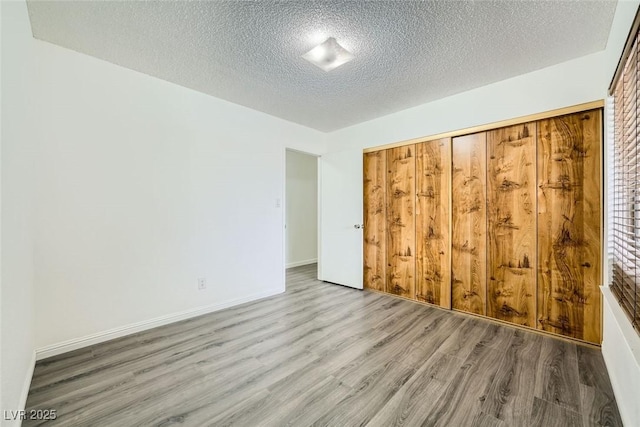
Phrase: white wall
x=17 y=168
x=561 y=85
x=301 y=209
x=142 y=187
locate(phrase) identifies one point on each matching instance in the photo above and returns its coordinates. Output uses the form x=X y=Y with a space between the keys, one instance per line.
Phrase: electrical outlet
x=202 y=283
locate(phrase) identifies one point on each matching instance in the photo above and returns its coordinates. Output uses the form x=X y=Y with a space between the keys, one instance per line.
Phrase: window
x=625 y=198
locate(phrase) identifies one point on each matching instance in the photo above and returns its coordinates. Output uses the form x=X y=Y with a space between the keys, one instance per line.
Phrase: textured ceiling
x=406 y=53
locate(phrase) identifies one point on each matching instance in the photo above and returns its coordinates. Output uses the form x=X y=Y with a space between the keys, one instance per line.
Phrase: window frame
x=624 y=208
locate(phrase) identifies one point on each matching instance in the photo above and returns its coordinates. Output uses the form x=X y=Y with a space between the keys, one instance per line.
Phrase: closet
x=500 y=221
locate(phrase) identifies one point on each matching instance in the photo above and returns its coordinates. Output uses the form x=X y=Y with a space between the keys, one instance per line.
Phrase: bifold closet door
x=469 y=223
x=401 y=188
x=511 y=219
x=569 y=225
x=433 y=253
x=375 y=220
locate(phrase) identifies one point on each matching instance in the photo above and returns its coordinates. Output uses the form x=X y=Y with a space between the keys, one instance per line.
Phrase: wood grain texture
x=510 y=398
x=471 y=381
x=557 y=374
x=426 y=385
x=511 y=219
x=469 y=224
x=549 y=415
x=597 y=398
x=375 y=220
x=321 y=354
x=401 y=187
x=433 y=245
x=569 y=225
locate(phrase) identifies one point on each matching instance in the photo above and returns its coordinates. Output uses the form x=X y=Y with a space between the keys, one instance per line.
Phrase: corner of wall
x=17 y=274
x=27 y=381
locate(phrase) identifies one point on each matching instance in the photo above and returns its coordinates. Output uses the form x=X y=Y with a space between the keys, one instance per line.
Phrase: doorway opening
x=301 y=210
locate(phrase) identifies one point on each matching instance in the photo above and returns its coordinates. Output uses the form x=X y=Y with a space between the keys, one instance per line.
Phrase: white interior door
x=340 y=254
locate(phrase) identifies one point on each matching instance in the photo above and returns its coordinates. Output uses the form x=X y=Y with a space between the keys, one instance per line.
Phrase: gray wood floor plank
x=210 y=394
x=466 y=391
x=557 y=378
x=74 y=400
x=411 y=404
x=510 y=398
x=322 y=354
x=598 y=407
x=310 y=404
x=593 y=371
x=463 y=339
x=396 y=346
x=369 y=395
x=486 y=420
x=546 y=414
x=431 y=339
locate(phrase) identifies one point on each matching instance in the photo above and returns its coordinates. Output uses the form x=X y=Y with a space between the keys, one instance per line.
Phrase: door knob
x=358 y=226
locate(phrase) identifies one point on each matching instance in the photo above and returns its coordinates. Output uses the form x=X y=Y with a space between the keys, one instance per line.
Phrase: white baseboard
x=300 y=263
x=76 y=343
x=27 y=382
x=621 y=353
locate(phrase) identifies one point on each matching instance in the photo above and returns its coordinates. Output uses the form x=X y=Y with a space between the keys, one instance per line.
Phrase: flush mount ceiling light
x=328 y=55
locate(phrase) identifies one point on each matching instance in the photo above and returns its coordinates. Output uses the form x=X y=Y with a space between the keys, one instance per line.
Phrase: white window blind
x=625 y=197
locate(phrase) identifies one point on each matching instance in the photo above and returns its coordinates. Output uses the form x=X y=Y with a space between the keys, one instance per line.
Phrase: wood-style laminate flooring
x=322 y=354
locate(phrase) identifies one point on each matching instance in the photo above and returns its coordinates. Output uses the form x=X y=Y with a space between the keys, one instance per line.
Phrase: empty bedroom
x=327 y=213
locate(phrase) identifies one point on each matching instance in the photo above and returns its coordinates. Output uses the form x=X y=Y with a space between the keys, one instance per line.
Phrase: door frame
x=284 y=209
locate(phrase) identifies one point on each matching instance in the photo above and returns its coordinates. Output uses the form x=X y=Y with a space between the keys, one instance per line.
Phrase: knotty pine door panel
x=375 y=220
x=469 y=223
x=433 y=245
x=569 y=225
x=511 y=219
x=401 y=189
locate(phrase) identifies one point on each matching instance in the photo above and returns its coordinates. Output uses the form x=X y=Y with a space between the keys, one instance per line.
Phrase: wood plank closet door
x=375 y=220
x=569 y=225
x=511 y=218
x=401 y=188
x=469 y=223
x=433 y=254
